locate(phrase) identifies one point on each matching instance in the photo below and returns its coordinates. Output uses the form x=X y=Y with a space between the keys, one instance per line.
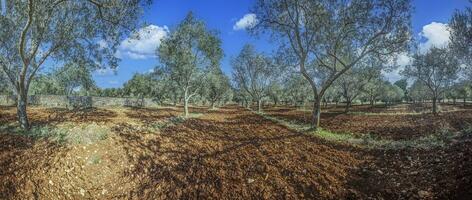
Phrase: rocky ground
x=229 y=153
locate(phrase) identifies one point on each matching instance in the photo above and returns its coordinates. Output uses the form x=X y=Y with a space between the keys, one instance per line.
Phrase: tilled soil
x=395 y=127
x=225 y=154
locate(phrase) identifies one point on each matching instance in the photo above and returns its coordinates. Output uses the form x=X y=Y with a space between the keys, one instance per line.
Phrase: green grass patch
x=173 y=121
x=440 y=139
x=68 y=133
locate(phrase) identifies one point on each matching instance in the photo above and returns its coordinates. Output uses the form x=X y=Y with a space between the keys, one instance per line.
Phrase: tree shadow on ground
x=21 y=158
x=242 y=156
x=53 y=116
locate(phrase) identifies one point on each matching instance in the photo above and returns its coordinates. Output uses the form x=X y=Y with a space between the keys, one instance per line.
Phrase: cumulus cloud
x=400 y=61
x=403 y=59
x=113 y=82
x=144 y=43
x=436 y=35
x=106 y=71
x=248 y=21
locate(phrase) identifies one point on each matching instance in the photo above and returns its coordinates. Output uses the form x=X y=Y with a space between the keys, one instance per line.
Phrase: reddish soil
x=224 y=154
x=388 y=126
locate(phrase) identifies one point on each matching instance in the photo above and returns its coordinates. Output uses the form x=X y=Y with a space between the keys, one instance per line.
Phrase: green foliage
x=217 y=86
x=72 y=77
x=67 y=80
x=4 y=84
x=402 y=84
x=187 y=54
x=111 y=92
x=419 y=92
x=140 y=85
x=297 y=89
x=49 y=31
x=391 y=93
x=253 y=73
x=461 y=39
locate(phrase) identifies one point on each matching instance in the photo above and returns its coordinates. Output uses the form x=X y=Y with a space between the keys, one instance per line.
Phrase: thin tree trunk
x=259 y=105
x=212 y=105
x=186 y=107
x=316 y=113
x=22 y=101
x=186 y=103
x=434 y=105
x=348 y=105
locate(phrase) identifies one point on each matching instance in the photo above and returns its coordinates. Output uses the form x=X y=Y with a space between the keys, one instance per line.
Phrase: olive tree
x=140 y=85
x=460 y=90
x=187 y=54
x=33 y=32
x=353 y=82
x=373 y=90
x=391 y=93
x=403 y=84
x=461 y=35
x=419 y=92
x=328 y=37
x=437 y=69
x=296 y=89
x=252 y=73
x=217 y=86
x=73 y=76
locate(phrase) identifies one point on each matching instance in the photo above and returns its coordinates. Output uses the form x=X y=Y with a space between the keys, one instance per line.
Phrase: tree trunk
x=464 y=101
x=22 y=101
x=186 y=107
x=434 y=105
x=259 y=105
x=348 y=105
x=186 y=103
x=212 y=105
x=316 y=113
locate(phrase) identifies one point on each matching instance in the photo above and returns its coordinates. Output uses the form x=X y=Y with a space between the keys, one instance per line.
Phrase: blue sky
x=429 y=19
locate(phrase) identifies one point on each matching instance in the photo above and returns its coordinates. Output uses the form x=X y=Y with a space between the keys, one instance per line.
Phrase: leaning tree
x=35 y=32
x=187 y=54
x=328 y=37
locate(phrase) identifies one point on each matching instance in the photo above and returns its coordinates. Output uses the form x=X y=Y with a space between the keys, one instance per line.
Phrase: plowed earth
x=225 y=154
x=385 y=125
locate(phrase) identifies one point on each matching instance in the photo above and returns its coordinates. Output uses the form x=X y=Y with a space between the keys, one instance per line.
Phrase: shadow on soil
x=243 y=156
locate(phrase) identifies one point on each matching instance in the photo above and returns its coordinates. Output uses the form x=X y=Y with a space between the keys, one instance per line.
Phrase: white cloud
x=248 y=21
x=403 y=59
x=398 y=64
x=436 y=35
x=113 y=82
x=144 y=43
x=106 y=71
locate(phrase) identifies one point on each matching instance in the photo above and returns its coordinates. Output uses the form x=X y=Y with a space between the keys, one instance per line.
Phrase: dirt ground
x=229 y=153
x=396 y=122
